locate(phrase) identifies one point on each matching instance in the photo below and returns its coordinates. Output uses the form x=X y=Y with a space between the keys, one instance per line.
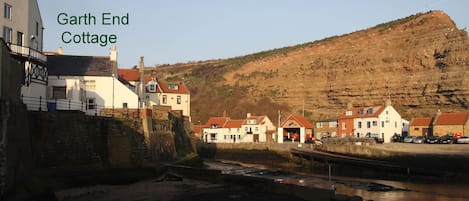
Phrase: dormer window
x=362 y=112
x=173 y=87
x=370 y=111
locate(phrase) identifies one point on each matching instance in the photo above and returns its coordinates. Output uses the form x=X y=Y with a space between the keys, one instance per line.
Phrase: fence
x=52 y=105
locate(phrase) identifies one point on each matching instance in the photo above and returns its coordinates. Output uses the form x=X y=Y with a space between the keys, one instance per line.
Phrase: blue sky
x=175 y=31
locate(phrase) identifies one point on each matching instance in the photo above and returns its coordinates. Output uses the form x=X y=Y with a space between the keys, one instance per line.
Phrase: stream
x=368 y=189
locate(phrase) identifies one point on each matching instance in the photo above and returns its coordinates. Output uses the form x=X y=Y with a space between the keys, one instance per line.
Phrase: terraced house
x=226 y=130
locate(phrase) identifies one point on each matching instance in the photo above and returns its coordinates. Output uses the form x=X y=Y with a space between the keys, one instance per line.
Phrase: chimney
x=248 y=115
x=113 y=56
x=388 y=102
x=60 y=51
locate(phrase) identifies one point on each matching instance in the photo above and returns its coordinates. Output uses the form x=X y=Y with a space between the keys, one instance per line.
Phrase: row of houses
x=381 y=122
x=54 y=81
x=441 y=124
x=226 y=130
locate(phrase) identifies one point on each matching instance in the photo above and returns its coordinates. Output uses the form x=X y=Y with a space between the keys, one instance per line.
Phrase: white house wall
x=74 y=87
x=392 y=123
x=25 y=14
x=185 y=106
x=34 y=95
x=373 y=130
x=111 y=93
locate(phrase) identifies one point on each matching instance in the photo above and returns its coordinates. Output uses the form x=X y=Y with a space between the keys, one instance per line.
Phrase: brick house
x=450 y=123
x=421 y=126
x=326 y=127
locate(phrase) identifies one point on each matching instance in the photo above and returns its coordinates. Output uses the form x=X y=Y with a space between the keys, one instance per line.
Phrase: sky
x=179 y=31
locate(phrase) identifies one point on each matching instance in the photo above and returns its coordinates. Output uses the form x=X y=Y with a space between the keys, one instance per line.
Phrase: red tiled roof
x=298 y=119
x=259 y=119
x=424 y=121
x=451 y=118
x=233 y=124
x=129 y=74
x=180 y=89
x=356 y=112
x=219 y=121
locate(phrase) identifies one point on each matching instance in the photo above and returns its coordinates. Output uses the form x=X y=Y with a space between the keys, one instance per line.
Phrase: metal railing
x=27 y=52
x=52 y=105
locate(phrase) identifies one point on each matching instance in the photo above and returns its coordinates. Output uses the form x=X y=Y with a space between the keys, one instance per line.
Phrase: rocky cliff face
x=421 y=62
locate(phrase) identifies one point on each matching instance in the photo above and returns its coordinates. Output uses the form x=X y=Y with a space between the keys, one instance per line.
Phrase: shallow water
x=368 y=189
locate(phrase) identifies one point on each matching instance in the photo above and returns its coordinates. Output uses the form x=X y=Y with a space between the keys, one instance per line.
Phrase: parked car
x=419 y=140
x=447 y=139
x=432 y=140
x=408 y=139
x=463 y=140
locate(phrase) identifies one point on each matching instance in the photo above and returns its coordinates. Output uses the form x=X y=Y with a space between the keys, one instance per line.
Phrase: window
x=333 y=124
x=246 y=128
x=237 y=130
x=257 y=128
x=173 y=87
x=7 y=11
x=152 y=87
x=344 y=126
x=368 y=124
x=90 y=85
x=59 y=92
x=395 y=124
x=19 y=38
x=178 y=100
x=7 y=34
x=37 y=28
x=375 y=123
x=362 y=112
x=124 y=105
x=359 y=124
x=165 y=99
x=319 y=125
x=382 y=124
x=91 y=103
x=213 y=136
x=349 y=113
x=416 y=129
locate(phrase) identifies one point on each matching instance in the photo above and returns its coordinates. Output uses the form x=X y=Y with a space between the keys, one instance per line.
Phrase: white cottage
x=90 y=80
x=226 y=130
x=175 y=95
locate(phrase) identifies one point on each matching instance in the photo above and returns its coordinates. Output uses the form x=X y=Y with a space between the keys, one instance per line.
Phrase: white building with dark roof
x=89 y=83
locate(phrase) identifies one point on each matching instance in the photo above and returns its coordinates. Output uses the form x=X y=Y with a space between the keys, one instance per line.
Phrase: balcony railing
x=27 y=52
